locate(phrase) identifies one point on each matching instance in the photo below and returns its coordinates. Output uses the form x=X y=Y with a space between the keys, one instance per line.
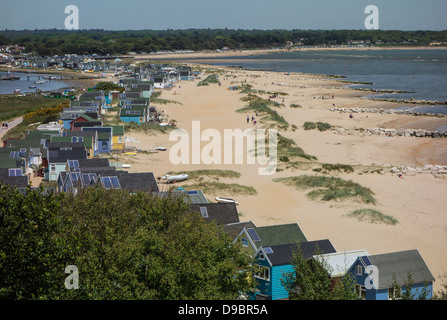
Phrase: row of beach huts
x=67 y=152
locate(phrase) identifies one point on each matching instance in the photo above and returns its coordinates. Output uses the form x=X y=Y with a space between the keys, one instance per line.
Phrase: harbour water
x=421 y=73
x=27 y=82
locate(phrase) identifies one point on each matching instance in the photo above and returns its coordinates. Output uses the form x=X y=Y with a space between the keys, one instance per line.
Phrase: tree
x=396 y=293
x=32 y=256
x=442 y=294
x=310 y=280
x=125 y=246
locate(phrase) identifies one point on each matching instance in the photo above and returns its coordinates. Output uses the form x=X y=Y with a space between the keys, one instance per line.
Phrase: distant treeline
x=57 y=42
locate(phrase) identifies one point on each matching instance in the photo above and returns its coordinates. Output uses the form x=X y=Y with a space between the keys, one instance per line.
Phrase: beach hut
x=274 y=262
x=387 y=269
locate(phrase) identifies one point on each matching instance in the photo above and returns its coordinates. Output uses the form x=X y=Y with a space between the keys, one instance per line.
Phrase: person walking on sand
x=248 y=118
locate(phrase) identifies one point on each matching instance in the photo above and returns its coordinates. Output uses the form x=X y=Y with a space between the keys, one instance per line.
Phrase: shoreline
x=251 y=52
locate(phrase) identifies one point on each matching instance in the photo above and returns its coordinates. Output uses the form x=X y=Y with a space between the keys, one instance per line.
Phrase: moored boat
x=179 y=177
x=226 y=200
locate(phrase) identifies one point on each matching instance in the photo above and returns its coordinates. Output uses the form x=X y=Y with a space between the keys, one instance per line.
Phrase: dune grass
x=219 y=188
x=155 y=99
x=288 y=148
x=212 y=78
x=330 y=188
x=372 y=216
x=145 y=127
x=321 y=126
x=211 y=173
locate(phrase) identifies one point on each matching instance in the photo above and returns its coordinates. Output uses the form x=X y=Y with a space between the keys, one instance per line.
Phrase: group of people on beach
x=253 y=118
x=5 y=125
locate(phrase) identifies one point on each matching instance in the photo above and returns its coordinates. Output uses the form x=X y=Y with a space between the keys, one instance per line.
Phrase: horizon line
x=224 y=28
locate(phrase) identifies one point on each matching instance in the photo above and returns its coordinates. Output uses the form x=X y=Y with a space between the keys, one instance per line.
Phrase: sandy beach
x=252 y=52
x=417 y=201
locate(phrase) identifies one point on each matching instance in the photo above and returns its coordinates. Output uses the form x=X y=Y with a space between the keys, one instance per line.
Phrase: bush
x=309 y=125
x=323 y=126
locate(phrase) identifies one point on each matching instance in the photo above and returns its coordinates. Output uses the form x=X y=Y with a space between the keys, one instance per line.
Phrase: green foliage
x=51 y=42
x=310 y=280
x=321 y=126
x=404 y=291
x=287 y=147
x=337 y=167
x=330 y=188
x=155 y=99
x=211 y=173
x=125 y=246
x=217 y=188
x=107 y=85
x=373 y=216
x=309 y=125
x=212 y=78
x=32 y=255
x=16 y=106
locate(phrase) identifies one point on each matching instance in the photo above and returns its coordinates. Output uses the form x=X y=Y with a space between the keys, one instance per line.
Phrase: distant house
x=161 y=80
x=387 y=267
x=59 y=153
x=14 y=177
x=220 y=213
x=52 y=126
x=75 y=126
x=132 y=182
x=137 y=114
x=11 y=157
x=87 y=142
x=253 y=239
x=234 y=229
x=104 y=141
x=89 y=138
x=86 y=172
x=275 y=261
x=339 y=263
x=117 y=138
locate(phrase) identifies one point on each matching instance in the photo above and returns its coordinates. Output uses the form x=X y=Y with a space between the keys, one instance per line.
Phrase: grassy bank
x=15 y=106
x=330 y=188
x=372 y=216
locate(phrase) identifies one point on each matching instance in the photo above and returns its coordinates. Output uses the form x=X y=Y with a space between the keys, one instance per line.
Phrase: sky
x=231 y=14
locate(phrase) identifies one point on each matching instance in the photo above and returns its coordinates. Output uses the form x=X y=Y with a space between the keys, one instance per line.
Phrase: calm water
x=421 y=71
x=27 y=80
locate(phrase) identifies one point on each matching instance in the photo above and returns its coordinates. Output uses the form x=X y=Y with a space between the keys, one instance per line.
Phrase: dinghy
x=178 y=177
x=226 y=200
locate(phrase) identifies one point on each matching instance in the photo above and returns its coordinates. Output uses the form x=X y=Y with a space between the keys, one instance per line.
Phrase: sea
x=28 y=79
x=421 y=73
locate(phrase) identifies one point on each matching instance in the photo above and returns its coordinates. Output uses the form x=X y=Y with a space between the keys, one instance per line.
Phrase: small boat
x=124 y=165
x=226 y=200
x=39 y=82
x=17 y=90
x=161 y=148
x=32 y=87
x=178 y=177
x=10 y=77
x=130 y=153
